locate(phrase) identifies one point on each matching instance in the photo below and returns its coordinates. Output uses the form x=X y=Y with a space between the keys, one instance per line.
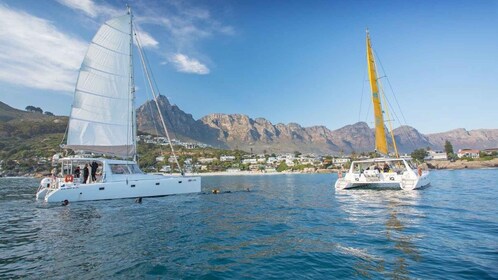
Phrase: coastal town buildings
x=469 y=153
x=436 y=155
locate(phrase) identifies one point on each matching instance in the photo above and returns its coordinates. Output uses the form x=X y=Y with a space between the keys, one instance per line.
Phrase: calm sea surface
x=285 y=227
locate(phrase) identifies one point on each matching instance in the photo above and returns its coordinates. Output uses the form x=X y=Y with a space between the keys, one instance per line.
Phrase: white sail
x=102 y=113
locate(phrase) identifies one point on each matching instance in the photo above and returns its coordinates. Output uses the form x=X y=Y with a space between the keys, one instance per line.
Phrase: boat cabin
x=98 y=170
x=381 y=165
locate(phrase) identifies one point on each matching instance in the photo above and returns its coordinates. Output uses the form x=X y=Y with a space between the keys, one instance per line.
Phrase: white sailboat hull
x=401 y=175
x=141 y=186
x=395 y=182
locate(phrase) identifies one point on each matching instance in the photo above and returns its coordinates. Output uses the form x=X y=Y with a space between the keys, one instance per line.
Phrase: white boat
x=103 y=121
x=386 y=171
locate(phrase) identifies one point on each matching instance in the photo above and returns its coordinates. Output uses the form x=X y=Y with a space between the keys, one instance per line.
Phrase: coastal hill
x=22 y=124
x=237 y=131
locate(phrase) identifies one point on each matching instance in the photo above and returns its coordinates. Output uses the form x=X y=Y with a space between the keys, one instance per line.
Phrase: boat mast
x=380 y=133
x=132 y=89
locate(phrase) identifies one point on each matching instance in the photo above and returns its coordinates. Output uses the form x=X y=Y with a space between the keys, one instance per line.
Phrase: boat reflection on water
x=388 y=221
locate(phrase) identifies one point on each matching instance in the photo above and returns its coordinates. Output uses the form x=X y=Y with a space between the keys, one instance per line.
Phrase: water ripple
x=286 y=227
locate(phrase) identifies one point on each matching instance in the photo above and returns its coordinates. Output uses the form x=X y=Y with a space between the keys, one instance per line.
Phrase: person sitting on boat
x=85 y=173
x=386 y=168
x=77 y=172
x=376 y=167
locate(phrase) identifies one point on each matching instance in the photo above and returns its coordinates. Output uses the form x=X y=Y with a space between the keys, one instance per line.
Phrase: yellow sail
x=380 y=133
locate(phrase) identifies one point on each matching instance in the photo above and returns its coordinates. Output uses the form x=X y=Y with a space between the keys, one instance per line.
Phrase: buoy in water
x=65 y=202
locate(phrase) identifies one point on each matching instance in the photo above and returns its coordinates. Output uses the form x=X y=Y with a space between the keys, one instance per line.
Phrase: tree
x=448 y=148
x=282 y=166
x=419 y=154
x=30 y=108
x=49 y=113
x=34 y=109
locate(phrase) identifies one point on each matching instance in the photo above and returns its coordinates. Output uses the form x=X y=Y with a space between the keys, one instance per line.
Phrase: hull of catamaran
x=399 y=173
x=388 y=181
x=130 y=187
x=109 y=179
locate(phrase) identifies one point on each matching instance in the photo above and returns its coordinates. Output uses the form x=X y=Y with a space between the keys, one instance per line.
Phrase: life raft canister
x=68 y=178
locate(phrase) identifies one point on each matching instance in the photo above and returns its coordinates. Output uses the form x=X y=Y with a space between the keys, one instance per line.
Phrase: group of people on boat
x=87 y=174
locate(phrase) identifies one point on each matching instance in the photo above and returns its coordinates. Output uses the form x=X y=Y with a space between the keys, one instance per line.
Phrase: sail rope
x=404 y=129
x=362 y=93
x=148 y=105
x=141 y=52
x=391 y=131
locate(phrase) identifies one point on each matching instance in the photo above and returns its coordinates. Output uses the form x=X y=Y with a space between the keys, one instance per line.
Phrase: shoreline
x=431 y=165
x=462 y=164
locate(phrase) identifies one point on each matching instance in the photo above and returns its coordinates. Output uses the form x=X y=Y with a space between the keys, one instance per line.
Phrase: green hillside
x=28 y=139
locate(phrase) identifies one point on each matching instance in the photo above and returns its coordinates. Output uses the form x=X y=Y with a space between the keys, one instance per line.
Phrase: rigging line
x=148 y=105
x=405 y=132
x=61 y=145
x=383 y=94
x=140 y=51
x=170 y=122
x=362 y=92
x=392 y=90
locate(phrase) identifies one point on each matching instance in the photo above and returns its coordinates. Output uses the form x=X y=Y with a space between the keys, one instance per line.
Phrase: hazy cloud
x=90 y=8
x=146 y=40
x=184 y=26
x=186 y=64
x=34 y=53
x=86 y=6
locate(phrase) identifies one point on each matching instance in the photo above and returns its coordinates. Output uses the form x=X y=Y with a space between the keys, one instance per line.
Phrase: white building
x=206 y=160
x=227 y=158
x=436 y=155
x=471 y=153
x=249 y=161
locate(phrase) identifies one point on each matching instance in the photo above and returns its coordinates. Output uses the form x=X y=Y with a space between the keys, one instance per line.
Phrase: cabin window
x=135 y=169
x=125 y=169
x=119 y=169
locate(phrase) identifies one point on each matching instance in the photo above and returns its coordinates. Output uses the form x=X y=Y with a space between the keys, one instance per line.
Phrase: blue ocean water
x=284 y=227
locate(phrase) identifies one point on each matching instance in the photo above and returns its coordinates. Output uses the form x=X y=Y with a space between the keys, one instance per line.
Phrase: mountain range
x=237 y=131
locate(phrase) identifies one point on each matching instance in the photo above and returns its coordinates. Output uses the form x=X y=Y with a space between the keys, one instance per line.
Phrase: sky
x=286 y=61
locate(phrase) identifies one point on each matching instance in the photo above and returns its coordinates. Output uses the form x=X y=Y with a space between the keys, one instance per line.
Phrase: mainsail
x=380 y=132
x=102 y=114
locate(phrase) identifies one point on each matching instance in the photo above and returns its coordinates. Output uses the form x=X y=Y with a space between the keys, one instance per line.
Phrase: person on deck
x=95 y=165
x=77 y=172
x=386 y=167
x=85 y=174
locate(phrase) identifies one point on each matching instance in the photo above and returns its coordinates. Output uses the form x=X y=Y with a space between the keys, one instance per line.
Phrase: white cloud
x=186 y=64
x=183 y=24
x=103 y=12
x=146 y=40
x=91 y=9
x=34 y=53
x=86 y=6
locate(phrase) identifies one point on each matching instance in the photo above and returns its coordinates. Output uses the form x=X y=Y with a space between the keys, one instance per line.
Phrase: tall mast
x=380 y=133
x=132 y=88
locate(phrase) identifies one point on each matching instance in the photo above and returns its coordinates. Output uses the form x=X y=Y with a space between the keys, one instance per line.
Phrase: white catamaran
x=103 y=121
x=381 y=172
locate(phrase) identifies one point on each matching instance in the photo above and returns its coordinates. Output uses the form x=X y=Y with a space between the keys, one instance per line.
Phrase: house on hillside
x=490 y=152
x=227 y=158
x=469 y=153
